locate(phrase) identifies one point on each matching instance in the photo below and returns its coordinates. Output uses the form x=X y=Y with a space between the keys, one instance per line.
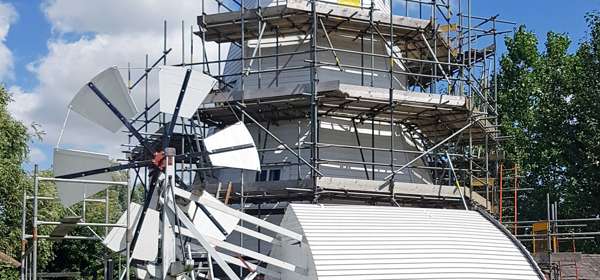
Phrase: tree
x=549 y=106
x=13 y=151
x=80 y=256
x=88 y=256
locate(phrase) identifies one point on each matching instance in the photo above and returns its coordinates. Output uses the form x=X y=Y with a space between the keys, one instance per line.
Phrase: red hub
x=158 y=160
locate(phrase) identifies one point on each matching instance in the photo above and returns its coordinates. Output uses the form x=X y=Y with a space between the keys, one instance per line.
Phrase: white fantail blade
x=141 y=273
x=224 y=214
x=210 y=201
x=252 y=254
x=205 y=225
x=146 y=247
x=73 y=161
x=170 y=80
x=169 y=244
x=204 y=243
x=112 y=86
x=151 y=271
x=256 y=268
x=115 y=239
x=146 y=273
x=233 y=136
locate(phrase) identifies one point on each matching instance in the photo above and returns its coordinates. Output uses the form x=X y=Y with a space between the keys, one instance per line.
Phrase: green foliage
x=54 y=256
x=13 y=181
x=13 y=150
x=549 y=104
x=87 y=256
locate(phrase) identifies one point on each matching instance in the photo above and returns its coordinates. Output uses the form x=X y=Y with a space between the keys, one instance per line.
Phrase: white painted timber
x=240 y=263
x=300 y=76
x=210 y=202
x=115 y=239
x=232 y=136
x=205 y=226
x=205 y=244
x=90 y=106
x=294 y=75
x=252 y=254
x=207 y=239
x=170 y=81
x=343 y=165
x=375 y=242
x=255 y=234
x=72 y=161
x=146 y=248
x=146 y=273
x=169 y=245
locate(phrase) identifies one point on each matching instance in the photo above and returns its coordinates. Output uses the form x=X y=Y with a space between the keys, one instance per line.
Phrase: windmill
x=174 y=217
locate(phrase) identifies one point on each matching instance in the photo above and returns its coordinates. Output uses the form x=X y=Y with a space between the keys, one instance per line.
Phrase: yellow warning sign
x=355 y=3
x=540 y=227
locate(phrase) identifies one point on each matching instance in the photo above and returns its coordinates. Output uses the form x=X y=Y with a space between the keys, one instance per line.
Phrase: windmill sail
x=146 y=248
x=112 y=86
x=70 y=161
x=236 y=135
x=170 y=81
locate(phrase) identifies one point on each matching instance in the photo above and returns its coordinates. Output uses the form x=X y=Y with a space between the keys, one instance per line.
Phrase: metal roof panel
x=375 y=242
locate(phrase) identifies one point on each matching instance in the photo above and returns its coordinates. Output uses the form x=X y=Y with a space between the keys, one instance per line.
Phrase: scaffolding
x=62 y=228
x=552 y=241
x=425 y=70
x=444 y=52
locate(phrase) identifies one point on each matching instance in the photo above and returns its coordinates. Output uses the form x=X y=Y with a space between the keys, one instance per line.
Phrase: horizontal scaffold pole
x=429 y=151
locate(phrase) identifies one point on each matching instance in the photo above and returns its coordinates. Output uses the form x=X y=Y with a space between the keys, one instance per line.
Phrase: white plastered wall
x=332 y=131
x=301 y=43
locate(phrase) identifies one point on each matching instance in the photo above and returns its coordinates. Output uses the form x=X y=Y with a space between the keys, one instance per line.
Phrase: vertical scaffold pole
x=128 y=233
x=298 y=150
x=372 y=9
x=192 y=48
x=495 y=81
x=391 y=98
x=106 y=210
x=313 y=100
x=548 y=228
x=472 y=107
x=501 y=192
x=487 y=173
x=371 y=77
x=516 y=209
x=242 y=88
x=35 y=222
x=434 y=69
x=165 y=42
x=23 y=228
x=555 y=228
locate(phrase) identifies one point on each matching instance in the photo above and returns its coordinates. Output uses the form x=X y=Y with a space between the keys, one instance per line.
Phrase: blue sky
x=46 y=37
x=28 y=37
x=543 y=16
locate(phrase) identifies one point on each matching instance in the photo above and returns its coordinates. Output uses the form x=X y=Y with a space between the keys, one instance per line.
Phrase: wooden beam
x=228 y=193
x=9 y=260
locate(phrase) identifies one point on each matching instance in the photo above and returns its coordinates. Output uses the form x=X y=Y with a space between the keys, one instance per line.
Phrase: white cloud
x=23 y=103
x=108 y=32
x=120 y=17
x=8 y=15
